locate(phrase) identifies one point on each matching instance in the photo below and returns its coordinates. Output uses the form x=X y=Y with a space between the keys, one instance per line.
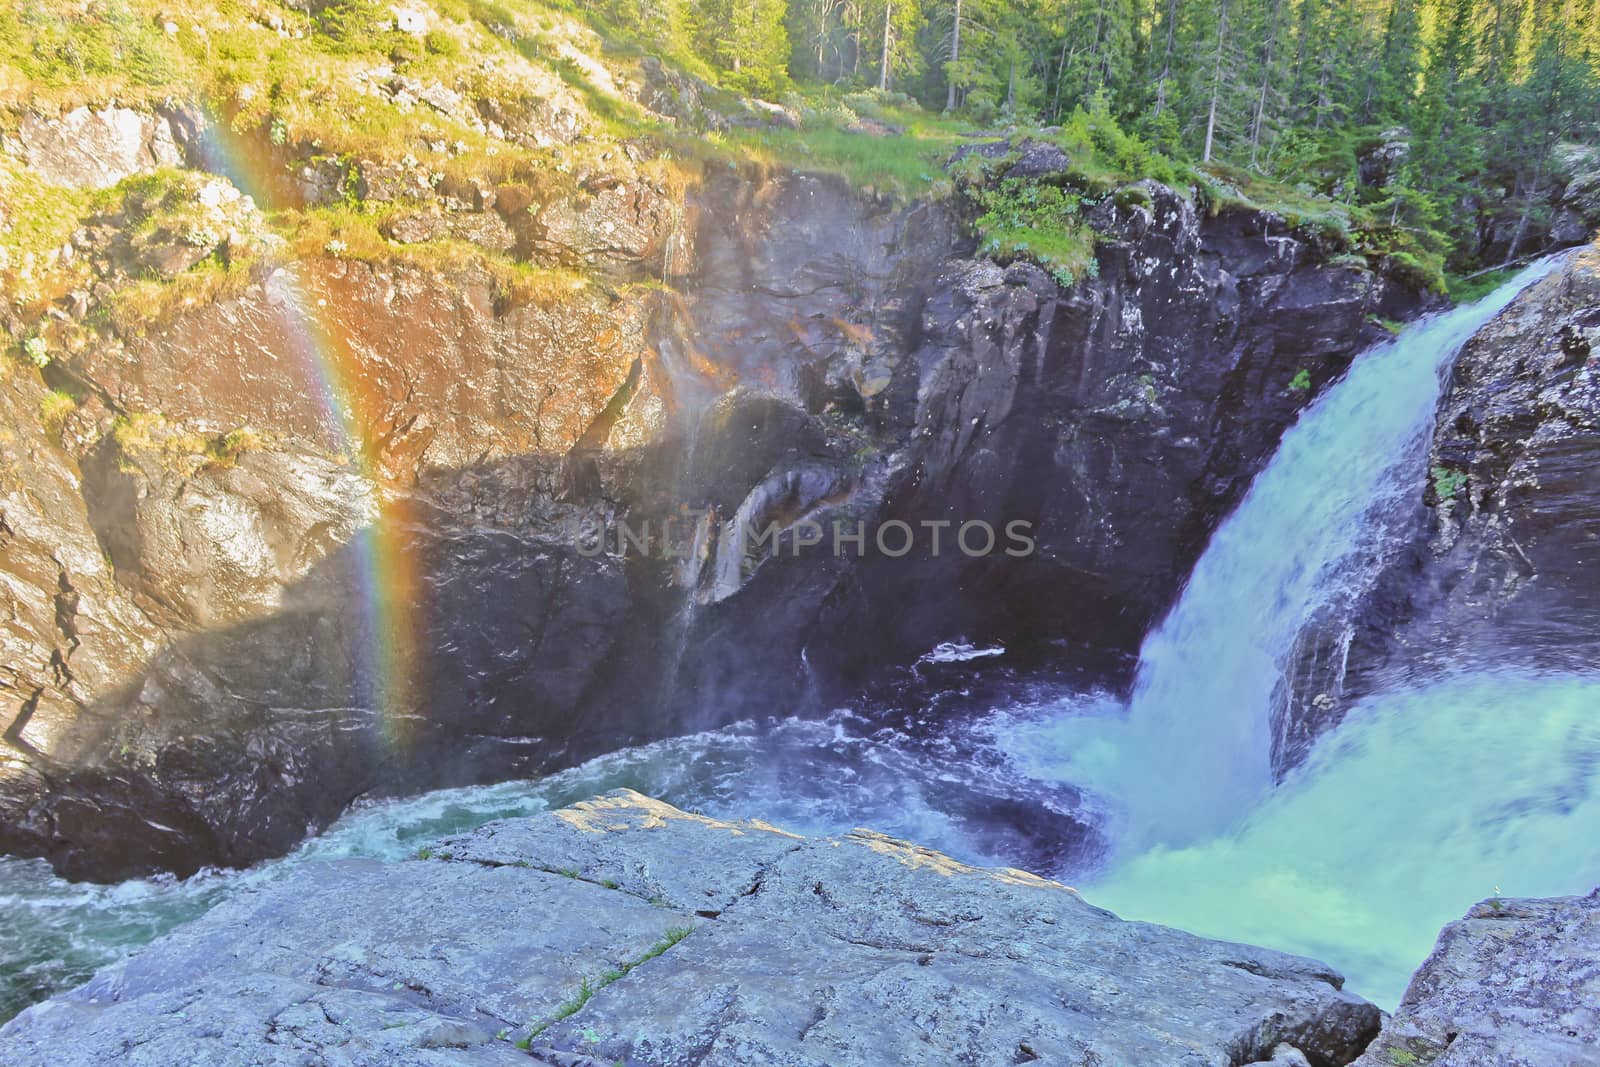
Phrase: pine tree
x=1269 y=63
x=750 y=41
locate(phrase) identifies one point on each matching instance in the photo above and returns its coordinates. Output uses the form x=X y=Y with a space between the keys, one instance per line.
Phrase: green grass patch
x=587 y=988
x=99 y=46
x=54 y=407
x=1038 y=222
x=1447 y=483
x=905 y=166
x=1464 y=290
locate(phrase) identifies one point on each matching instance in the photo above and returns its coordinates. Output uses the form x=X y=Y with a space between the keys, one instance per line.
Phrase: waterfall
x=1191 y=754
x=1426 y=799
x=1423 y=802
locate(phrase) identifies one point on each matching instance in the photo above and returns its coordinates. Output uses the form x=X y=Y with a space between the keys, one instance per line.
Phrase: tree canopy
x=1465 y=101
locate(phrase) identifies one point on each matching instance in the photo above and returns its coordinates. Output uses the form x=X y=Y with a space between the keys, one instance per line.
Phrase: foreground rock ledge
x=625 y=930
x=1516 y=983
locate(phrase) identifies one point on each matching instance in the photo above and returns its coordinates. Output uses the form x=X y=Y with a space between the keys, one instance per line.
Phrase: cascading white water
x=1192 y=753
x=1420 y=804
x=1425 y=800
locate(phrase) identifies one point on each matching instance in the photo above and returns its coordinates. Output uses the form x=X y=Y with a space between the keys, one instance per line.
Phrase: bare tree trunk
x=1297 y=82
x=1095 y=58
x=955 y=57
x=1216 y=80
x=1166 y=59
x=1061 y=72
x=1533 y=191
x=883 y=67
x=1266 y=82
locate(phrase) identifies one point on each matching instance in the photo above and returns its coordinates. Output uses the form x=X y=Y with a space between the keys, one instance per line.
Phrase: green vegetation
x=1420 y=132
x=111 y=45
x=907 y=164
x=1447 y=483
x=54 y=408
x=1039 y=222
x=588 y=989
x=150 y=434
x=1301 y=382
x=1465 y=290
x=1425 y=136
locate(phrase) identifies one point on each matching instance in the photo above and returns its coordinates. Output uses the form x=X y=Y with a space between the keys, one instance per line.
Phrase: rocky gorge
x=190 y=650
x=410 y=429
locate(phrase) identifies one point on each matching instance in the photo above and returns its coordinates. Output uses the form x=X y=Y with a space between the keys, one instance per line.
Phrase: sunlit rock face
x=1503 y=564
x=332 y=523
x=624 y=930
x=97 y=149
x=441 y=369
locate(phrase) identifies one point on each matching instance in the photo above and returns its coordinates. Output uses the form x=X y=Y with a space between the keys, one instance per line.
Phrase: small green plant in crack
x=1447 y=484
x=588 y=989
x=36 y=352
x=424 y=853
x=1402 y=1058
x=670 y=938
x=608 y=883
x=1301 y=383
x=566 y=1010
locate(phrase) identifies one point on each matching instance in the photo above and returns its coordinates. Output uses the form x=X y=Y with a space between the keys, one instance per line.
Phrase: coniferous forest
x=1472 y=108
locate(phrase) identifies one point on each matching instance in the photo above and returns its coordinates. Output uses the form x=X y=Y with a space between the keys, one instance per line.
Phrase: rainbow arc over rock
x=388 y=671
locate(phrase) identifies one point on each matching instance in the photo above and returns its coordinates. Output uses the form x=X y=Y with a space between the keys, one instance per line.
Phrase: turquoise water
x=1420 y=804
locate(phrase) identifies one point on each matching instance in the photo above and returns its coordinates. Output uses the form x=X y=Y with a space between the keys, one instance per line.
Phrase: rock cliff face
x=1514 y=983
x=1504 y=567
x=99 y=148
x=624 y=930
x=228 y=620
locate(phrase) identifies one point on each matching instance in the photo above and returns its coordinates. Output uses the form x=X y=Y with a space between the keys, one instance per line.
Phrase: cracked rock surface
x=625 y=930
x=1514 y=983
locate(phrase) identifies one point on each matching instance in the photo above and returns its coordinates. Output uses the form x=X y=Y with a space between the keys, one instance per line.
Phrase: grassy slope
x=288 y=87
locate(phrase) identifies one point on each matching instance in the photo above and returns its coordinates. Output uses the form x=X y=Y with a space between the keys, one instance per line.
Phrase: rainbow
x=387 y=671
